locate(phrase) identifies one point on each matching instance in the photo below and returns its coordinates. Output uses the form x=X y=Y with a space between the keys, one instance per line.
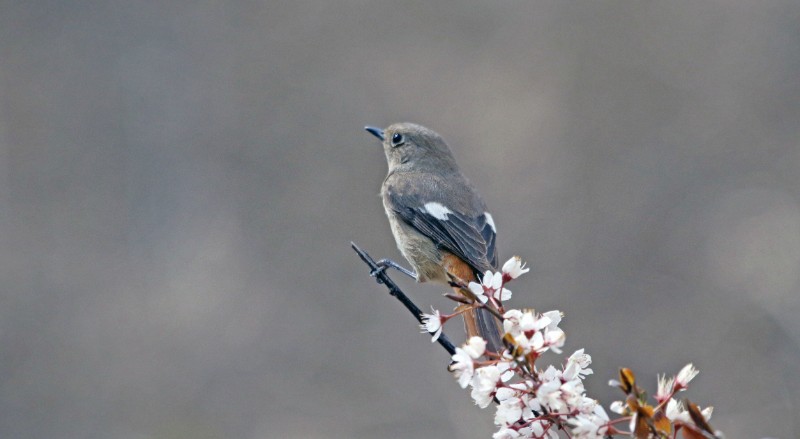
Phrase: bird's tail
x=482 y=323
x=478 y=322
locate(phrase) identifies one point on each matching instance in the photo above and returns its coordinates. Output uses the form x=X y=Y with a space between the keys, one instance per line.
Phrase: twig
x=382 y=278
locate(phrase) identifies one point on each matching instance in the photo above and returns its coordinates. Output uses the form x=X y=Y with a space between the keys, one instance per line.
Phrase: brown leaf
x=627 y=380
x=690 y=433
x=698 y=418
x=643 y=418
x=662 y=423
x=640 y=430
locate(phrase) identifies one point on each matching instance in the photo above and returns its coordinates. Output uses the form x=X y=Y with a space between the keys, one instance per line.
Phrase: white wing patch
x=437 y=210
x=490 y=221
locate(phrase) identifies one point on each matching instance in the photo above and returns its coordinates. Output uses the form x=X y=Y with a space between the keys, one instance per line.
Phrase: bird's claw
x=383 y=264
x=377 y=271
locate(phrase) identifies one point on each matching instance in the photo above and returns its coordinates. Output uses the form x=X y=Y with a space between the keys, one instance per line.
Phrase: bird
x=439 y=221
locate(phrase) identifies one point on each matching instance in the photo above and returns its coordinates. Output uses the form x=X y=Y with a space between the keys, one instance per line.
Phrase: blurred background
x=180 y=181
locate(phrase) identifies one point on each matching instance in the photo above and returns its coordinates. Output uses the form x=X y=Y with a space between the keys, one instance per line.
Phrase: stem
x=619 y=420
x=493 y=311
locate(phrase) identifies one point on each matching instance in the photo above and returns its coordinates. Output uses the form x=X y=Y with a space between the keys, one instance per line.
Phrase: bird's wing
x=470 y=236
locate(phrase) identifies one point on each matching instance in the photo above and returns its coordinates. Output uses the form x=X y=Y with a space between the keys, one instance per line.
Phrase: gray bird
x=438 y=220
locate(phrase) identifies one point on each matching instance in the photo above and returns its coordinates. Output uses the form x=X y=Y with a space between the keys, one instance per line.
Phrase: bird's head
x=413 y=147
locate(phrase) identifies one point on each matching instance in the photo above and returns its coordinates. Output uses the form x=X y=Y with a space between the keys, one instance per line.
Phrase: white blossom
x=684 y=376
x=504 y=393
x=664 y=388
x=549 y=395
x=477 y=290
x=502 y=294
x=508 y=412
x=618 y=407
x=590 y=426
x=537 y=428
x=463 y=367
x=578 y=365
x=506 y=433
x=532 y=322
x=550 y=374
x=475 y=347
x=555 y=317
x=534 y=343
x=554 y=339
x=432 y=324
x=511 y=321
x=676 y=412
x=491 y=286
x=484 y=385
x=514 y=268
x=534 y=332
x=506 y=369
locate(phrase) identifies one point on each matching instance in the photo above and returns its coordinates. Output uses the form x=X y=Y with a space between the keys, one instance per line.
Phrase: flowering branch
x=538 y=402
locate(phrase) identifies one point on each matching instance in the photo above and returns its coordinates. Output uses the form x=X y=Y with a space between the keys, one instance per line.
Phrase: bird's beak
x=377 y=132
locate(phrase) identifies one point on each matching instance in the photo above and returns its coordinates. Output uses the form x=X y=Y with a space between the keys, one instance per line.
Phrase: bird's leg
x=383 y=264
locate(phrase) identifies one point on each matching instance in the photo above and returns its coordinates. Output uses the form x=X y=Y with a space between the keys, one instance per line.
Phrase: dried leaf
x=662 y=423
x=627 y=380
x=690 y=433
x=698 y=418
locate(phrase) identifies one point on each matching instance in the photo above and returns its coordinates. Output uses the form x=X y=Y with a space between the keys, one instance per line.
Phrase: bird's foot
x=383 y=264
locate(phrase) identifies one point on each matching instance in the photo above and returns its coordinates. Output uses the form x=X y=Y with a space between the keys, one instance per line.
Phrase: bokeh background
x=180 y=182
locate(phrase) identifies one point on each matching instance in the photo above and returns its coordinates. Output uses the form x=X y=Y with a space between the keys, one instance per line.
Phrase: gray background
x=180 y=182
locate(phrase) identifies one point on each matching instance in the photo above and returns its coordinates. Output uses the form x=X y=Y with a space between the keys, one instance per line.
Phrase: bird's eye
x=397 y=139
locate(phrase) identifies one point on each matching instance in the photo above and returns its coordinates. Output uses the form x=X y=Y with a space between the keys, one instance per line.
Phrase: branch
x=382 y=278
x=534 y=403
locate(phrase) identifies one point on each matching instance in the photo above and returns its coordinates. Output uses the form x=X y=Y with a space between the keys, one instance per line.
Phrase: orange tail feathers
x=479 y=322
